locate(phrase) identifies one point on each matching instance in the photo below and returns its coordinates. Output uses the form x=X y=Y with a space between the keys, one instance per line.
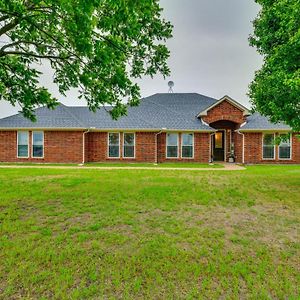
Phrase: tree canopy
x=96 y=46
x=275 y=90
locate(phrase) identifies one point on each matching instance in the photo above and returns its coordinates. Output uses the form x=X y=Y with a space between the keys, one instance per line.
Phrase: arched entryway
x=223 y=141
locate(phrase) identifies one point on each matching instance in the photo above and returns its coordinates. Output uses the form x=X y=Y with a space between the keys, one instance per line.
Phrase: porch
x=226 y=143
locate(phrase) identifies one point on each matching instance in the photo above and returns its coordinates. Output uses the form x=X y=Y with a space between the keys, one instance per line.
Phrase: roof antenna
x=171 y=84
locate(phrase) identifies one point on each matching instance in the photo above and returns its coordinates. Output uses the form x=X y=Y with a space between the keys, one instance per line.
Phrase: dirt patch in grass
x=41 y=178
x=148 y=214
x=274 y=225
x=81 y=219
x=75 y=223
x=123 y=229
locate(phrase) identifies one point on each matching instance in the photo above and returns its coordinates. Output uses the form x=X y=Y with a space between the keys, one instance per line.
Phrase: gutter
x=42 y=128
x=104 y=129
x=266 y=130
x=83 y=145
x=156 y=144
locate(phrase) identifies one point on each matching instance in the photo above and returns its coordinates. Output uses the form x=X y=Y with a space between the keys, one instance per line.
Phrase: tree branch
x=52 y=38
x=25 y=42
x=42 y=8
x=33 y=55
x=9 y=26
x=3 y=18
x=63 y=46
x=15 y=22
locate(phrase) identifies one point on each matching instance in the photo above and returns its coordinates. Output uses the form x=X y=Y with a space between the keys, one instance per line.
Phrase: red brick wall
x=8 y=146
x=253 y=150
x=59 y=147
x=145 y=146
x=224 y=111
x=201 y=149
x=66 y=147
x=238 y=146
x=97 y=147
x=63 y=146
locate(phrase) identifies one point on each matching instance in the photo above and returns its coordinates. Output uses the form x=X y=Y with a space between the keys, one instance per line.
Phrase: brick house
x=185 y=127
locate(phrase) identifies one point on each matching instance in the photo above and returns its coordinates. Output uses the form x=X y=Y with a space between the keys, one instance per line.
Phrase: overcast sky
x=210 y=54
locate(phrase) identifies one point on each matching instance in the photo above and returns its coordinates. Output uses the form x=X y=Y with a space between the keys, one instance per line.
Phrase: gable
x=230 y=101
x=225 y=109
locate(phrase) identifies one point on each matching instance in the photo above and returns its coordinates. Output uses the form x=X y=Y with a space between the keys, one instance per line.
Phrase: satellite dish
x=171 y=84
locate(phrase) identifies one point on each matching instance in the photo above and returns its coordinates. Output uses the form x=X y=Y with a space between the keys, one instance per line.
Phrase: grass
x=41 y=164
x=136 y=234
x=124 y=164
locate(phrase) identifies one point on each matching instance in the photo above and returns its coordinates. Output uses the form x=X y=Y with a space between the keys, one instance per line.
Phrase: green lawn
x=159 y=234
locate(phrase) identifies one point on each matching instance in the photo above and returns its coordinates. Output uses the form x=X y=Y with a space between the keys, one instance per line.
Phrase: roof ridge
x=20 y=113
x=76 y=118
x=4 y=118
x=86 y=107
x=193 y=93
x=175 y=112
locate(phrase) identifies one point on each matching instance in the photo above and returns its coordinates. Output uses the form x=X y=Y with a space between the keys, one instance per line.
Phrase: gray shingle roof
x=259 y=122
x=174 y=111
x=170 y=111
x=58 y=118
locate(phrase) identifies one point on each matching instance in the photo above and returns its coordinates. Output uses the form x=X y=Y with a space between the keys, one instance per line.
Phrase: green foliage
x=98 y=47
x=150 y=234
x=275 y=91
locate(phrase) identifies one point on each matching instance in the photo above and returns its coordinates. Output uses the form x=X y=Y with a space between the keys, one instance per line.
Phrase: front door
x=218 y=146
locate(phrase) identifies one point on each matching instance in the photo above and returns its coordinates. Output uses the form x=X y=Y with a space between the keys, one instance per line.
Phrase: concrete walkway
x=227 y=167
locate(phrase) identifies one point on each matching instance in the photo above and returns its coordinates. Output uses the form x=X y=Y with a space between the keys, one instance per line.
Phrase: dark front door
x=218 y=146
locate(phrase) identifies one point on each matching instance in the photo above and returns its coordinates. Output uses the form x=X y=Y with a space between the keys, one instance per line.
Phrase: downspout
x=243 y=152
x=83 y=145
x=156 y=145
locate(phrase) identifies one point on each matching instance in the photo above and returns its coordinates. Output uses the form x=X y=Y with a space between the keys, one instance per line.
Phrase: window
x=285 y=146
x=128 y=145
x=219 y=140
x=23 y=144
x=187 y=147
x=114 y=145
x=269 y=146
x=172 y=145
x=38 y=144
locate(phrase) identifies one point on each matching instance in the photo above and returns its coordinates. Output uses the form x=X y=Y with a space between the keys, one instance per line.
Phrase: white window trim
x=18 y=144
x=125 y=157
x=193 y=145
x=291 y=143
x=115 y=157
x=173 y=157
x=32 y=145
x=262 y=147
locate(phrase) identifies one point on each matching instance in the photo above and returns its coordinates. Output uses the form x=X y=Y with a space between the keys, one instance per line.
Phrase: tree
x=96 y=46
x=275 y=90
